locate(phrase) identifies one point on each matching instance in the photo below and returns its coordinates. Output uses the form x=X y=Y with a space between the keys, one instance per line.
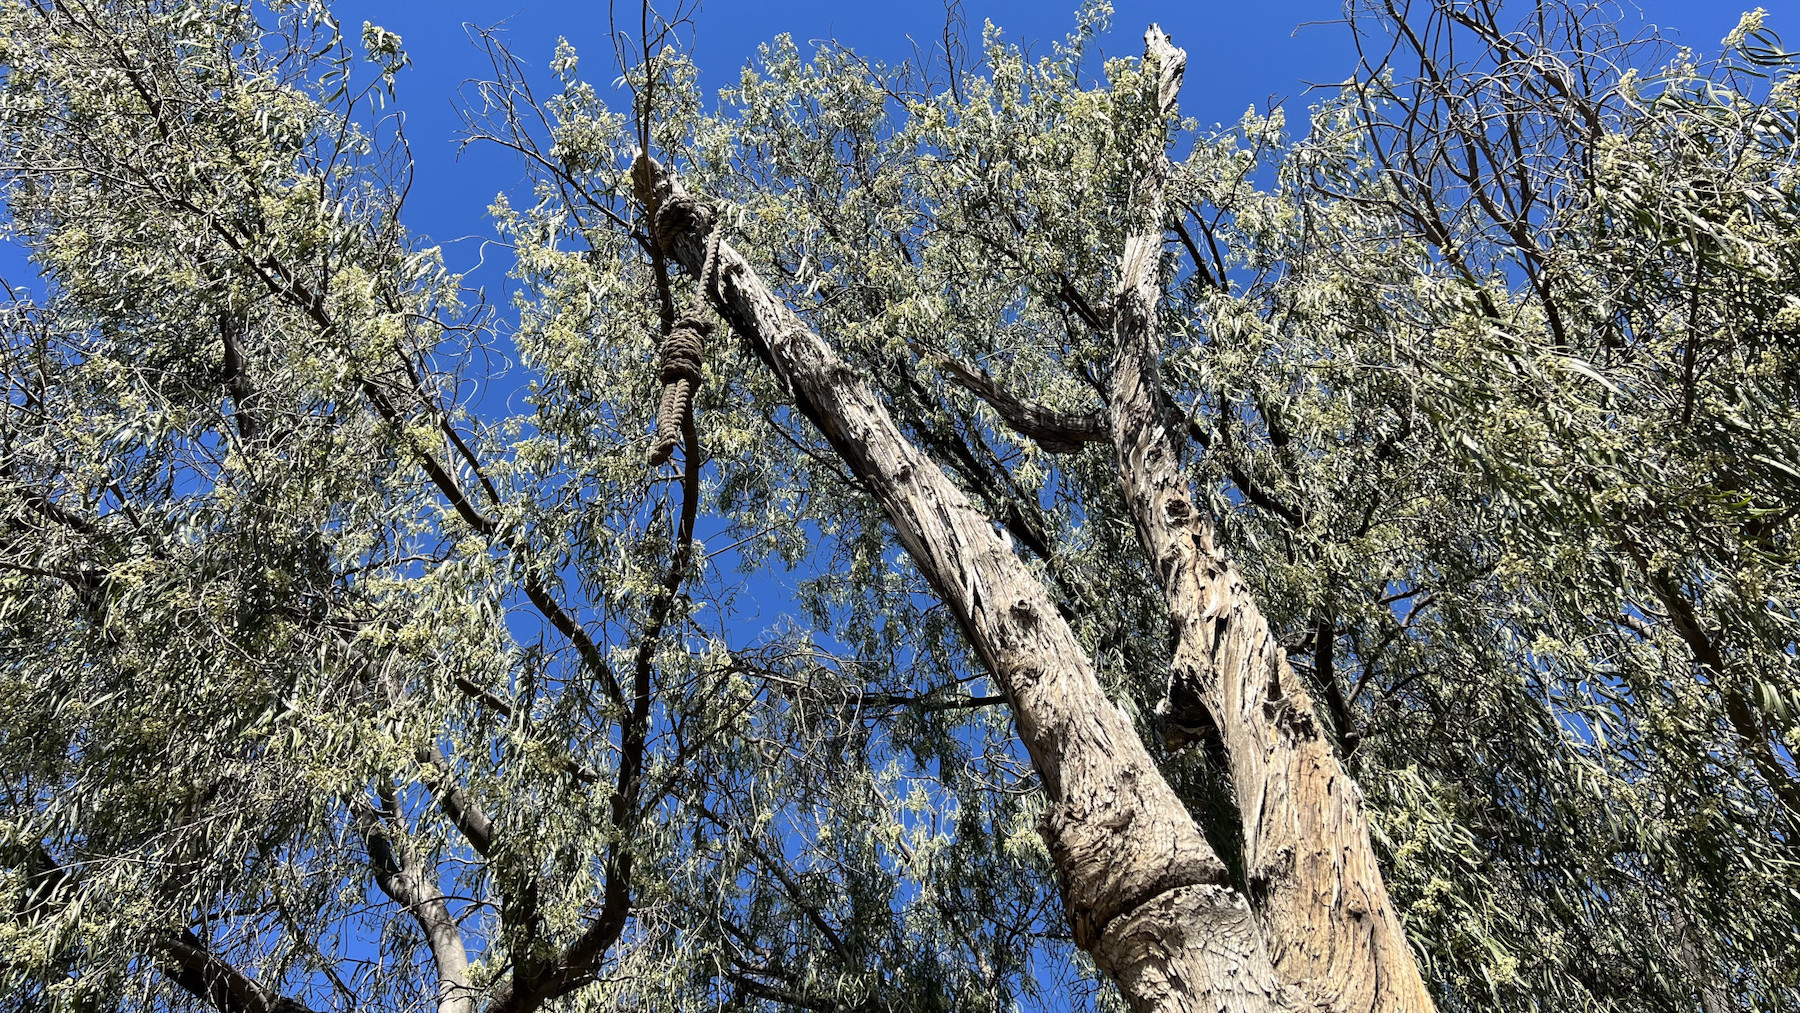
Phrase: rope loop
x=684 y=349
x=683 y=358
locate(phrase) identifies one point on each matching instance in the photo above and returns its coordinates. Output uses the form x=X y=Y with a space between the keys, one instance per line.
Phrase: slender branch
x=757 y=990
x=1343 y=719
x=1252 y=490
x=1057 y=432
x=929 y=705
x=787 y=884
x=208 y=977
x=1738 y=710
x=462 y=811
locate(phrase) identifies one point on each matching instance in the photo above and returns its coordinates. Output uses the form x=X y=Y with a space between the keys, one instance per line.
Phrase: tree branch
x=208 y=977
x=1305 y=836
x=1738 y=710
x=462 y=811
x=1057 y=432
x=409 y=880
x=1137 y=874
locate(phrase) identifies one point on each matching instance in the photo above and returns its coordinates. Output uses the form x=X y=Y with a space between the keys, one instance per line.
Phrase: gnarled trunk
x=1312 y=874
x=1145 y=893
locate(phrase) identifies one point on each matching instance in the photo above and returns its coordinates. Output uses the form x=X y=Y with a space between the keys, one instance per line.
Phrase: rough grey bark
x=1145 y=894
x=1312 y=874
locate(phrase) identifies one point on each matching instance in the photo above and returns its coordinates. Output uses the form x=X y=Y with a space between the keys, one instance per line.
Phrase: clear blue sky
x=1240 y=54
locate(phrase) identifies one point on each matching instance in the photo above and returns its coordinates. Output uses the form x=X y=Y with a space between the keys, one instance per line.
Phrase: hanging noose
x=683 y=349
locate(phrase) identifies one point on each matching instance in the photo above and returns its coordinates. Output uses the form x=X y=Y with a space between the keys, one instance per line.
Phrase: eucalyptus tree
x=1352 y=571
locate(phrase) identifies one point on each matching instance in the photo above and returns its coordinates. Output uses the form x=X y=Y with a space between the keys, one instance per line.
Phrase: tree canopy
x=352 y=655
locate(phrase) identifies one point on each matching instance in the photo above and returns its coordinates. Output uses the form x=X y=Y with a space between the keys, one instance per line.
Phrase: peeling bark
x=1145 y=894
x=1330 y=929
x=1186 y=942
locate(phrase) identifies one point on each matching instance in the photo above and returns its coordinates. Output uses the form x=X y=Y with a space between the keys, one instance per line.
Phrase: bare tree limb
x=1057 y=432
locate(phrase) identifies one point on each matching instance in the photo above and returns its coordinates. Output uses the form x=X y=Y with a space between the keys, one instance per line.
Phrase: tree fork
x=1330 y=929
x=1145 y=893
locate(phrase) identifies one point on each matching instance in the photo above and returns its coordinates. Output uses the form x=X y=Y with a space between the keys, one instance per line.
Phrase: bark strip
x=1145 y=894
x=1312 y=874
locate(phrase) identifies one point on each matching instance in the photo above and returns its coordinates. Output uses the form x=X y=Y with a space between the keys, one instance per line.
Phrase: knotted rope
x=683 y=349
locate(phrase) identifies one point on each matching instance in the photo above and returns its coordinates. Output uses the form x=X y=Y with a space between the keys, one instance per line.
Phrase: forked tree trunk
x=1145 y=893
x=1312 y=874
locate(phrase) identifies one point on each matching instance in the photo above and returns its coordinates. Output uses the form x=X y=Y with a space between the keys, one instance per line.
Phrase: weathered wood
x=1312 y=874
x=1145 y=893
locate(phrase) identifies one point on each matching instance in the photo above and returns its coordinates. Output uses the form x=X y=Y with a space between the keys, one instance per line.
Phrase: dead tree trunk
x=1312 y=874
x=1145 y=893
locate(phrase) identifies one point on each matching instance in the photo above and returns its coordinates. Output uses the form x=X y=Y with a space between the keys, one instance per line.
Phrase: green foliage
x=1496 y=412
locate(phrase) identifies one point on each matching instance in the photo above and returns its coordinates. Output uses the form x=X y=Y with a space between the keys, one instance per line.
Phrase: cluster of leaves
x=1488 y=380
x=289 y=627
